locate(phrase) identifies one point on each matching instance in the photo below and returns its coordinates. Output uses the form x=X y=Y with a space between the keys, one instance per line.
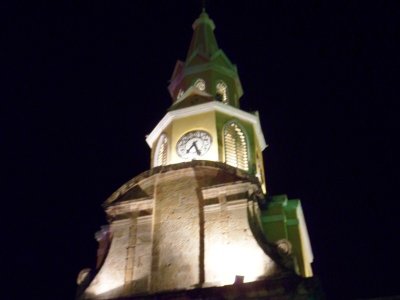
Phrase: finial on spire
x=203 y=5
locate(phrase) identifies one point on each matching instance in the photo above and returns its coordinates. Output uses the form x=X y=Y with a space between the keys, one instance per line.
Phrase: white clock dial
x=193 y=144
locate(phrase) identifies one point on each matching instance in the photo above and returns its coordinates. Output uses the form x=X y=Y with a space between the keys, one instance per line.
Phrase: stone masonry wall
x=191 y=231
x=176 y=239
x=111 y=277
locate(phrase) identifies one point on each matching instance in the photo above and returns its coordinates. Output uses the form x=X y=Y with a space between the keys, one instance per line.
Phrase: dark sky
x=83 y=82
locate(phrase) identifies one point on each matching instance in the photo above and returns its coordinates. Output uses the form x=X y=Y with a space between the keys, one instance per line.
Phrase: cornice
x=120 y=192
x=203 y=108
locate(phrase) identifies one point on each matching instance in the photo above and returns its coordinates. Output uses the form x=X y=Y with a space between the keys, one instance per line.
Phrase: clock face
x=193 y=144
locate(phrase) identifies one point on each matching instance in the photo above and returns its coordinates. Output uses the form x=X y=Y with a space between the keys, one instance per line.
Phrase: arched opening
x=235 y=146
x=200 y=84
x=222 y=92
x=160 y=157
x=180 y=94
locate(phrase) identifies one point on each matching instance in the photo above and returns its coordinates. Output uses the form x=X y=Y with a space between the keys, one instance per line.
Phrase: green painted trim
x=280 y=221
x=270 y=219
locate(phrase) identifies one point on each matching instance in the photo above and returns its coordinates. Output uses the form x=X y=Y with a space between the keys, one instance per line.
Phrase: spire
x=206 y=70
x=203 y=40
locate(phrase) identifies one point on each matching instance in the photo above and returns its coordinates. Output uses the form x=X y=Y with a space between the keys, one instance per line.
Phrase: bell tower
x=200 y=224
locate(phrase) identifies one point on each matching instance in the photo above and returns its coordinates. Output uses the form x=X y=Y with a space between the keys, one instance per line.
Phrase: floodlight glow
x=106 y=284
x=226 y=261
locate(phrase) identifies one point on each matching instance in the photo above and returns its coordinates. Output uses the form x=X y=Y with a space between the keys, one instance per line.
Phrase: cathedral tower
x=199 y=223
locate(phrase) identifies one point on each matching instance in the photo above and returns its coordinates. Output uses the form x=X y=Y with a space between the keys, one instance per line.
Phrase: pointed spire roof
x=203 y=40
x=205 y=61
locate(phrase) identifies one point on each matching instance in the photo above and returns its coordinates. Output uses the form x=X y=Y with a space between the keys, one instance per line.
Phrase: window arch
x=236 y=148
x=160 y=156
x=222 y=92
x=200 y=84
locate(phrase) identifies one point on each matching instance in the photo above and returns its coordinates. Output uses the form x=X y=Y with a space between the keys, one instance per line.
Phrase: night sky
x=83 y=82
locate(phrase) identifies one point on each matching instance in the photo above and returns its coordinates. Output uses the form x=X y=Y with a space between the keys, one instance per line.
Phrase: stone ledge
x=284 y=288
x=119 y=193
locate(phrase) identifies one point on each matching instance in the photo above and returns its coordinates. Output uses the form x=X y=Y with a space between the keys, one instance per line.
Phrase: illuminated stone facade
x=180 y=227
x=201 y=219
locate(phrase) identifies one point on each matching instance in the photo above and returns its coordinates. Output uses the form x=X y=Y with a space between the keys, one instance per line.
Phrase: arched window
x=180 y=94
x=160 y=156
x=235 y=143
x=222 y=92
x=200 y=84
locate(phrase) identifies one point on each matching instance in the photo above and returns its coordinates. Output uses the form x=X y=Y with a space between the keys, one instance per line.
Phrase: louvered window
x=222 y=93
x=235 y=142
x=161 y=151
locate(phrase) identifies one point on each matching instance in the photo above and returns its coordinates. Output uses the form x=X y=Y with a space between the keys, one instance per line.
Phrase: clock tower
x=199 y=224
x=205 y=121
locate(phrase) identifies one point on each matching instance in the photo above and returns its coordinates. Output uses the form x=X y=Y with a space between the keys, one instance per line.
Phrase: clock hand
x=194 y=144
x=188 y=150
